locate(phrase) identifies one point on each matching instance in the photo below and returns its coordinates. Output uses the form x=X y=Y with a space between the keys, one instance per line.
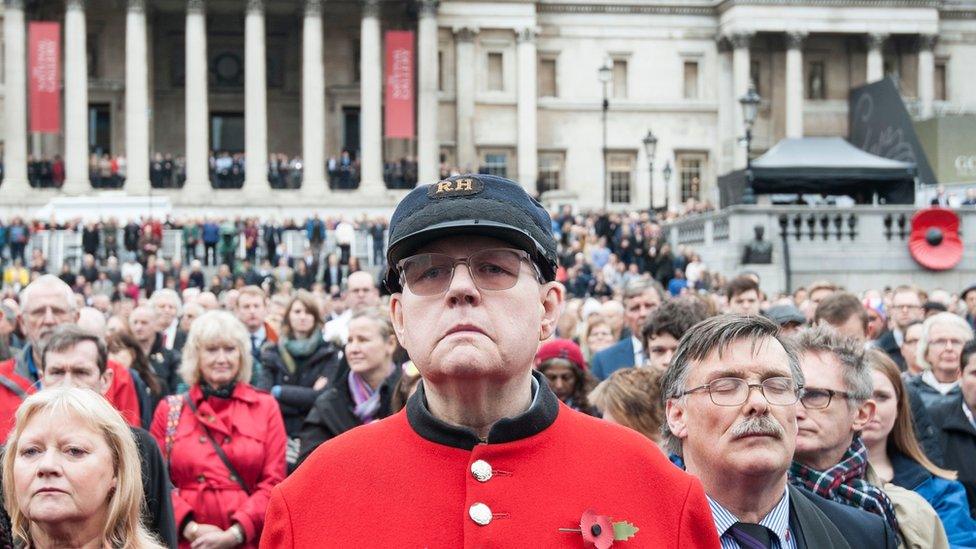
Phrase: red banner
x=399 y=84
x=44 y=77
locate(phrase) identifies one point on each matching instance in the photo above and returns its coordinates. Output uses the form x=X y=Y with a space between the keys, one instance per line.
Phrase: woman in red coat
x=224 y=440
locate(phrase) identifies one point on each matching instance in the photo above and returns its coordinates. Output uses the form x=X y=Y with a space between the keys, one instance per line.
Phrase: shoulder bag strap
x=220 y=451
x=14 y=388
x=172 y=422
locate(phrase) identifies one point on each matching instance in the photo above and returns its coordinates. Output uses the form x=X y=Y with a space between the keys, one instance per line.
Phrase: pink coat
x=252 y=434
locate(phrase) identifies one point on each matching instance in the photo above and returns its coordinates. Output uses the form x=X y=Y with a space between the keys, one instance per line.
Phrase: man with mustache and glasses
x=484 y=455
x=831 y=460
x=731 y=392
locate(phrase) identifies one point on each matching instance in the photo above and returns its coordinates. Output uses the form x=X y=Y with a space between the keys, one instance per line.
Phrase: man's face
x=824 y=434
x=361 y=293
x=660 y=349
x=971 y=302
x=876 y=324
x=967 y=383
x=852 y=327
x=471 y=333
x=638 y=307
x=909 y=345
x=716 y=439
x=76 y=367
x=166 y=311
x=746 y=303
x=906 y=308
x=47 y=308
x=945 y=349
x=251 y=310
x=820 y=294
x=142 y=324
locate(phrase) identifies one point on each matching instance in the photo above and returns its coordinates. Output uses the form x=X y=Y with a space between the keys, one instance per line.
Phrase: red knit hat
x=560 y=348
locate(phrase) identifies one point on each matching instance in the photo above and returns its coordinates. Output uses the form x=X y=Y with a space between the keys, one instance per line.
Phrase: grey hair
x=849 y=352
x=164 y=293
x=716 y=334
x=638 y=286
x=950 y=319
x=53 y=281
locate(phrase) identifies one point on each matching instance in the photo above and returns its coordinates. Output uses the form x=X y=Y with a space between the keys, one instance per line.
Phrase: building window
x=547 y=77
x=691 y=168
x=691 y=80
x=621 y=169
x=816 y=84
x=940 y=81
x=496 y=79
x=440 y=70
x=619 y=78
x=754 y=69
x=495 y=162
x=551 y=171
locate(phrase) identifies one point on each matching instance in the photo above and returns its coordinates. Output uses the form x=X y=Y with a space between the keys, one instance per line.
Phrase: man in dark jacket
x=165 y=363
x=957 y=427
x=76 y=358
x=740 y=442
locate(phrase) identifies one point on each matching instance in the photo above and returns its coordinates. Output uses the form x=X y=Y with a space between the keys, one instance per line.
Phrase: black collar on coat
x=540 y=415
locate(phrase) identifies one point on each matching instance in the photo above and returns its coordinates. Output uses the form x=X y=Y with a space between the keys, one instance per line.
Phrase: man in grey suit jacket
x=730 y=393
x=641 y=297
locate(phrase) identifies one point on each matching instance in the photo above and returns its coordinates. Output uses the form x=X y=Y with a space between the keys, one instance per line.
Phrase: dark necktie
x=255 y=350
x=751 y=536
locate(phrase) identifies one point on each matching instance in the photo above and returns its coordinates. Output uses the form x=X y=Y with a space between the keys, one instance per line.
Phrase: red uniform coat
x=250 y=430
x=9 y=400
x=385 y=485
x=122 y=394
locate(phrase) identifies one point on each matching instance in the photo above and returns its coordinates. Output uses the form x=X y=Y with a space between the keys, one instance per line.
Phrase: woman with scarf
x=363 y=387
x=897 y=458
x=224 y=440
x=298 y=368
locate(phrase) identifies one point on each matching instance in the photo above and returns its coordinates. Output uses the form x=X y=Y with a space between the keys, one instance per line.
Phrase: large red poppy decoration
x=934 y=242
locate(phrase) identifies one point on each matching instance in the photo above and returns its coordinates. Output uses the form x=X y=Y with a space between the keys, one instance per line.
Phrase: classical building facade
x=509 y=87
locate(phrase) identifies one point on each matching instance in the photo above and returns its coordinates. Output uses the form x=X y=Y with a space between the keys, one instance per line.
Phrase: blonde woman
x=71 y=474
x=224 y=440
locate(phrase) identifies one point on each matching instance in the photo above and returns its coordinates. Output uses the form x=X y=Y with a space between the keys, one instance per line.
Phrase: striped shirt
x=778 y=521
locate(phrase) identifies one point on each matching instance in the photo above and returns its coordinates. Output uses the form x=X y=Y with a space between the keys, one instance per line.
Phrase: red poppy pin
x=600 y=532
x=934 y=242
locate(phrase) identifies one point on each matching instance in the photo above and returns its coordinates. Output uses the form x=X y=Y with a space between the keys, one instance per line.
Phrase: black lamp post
x=750 y=108
x=666 y=172
x=650 y=147
x=605 y=75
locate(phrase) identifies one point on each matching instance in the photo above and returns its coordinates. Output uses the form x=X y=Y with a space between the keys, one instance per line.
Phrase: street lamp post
x=750 y=108
x=605 y=75
x=666 y=172
x=650 y=147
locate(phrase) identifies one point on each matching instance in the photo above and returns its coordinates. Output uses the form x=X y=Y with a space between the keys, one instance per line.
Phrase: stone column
x=197 y=109
x=15 y=100
x=313 y=101
x=794 y=83
x=255 y=100
x=527 y=152
x=726 y=107
x=371 y=99
x=75 y=100
x=136 y=100
x=428 y=101
x=875 y=69
x=926 y=75
x=467 y=156
x=740 y=85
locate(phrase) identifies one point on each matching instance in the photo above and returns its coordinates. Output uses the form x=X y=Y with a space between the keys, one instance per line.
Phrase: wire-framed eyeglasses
x=492 y=269
x=734 y=391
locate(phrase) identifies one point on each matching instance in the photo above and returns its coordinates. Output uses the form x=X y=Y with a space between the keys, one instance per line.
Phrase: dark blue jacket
x=620 y=355
x=211 y=233
x=947 y=497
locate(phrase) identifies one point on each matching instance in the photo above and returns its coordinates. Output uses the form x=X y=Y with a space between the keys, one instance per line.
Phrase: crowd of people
x=233 y=393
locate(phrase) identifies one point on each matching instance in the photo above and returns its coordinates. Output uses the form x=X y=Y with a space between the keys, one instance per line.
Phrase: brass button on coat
x=481 y=471
x=480 y=514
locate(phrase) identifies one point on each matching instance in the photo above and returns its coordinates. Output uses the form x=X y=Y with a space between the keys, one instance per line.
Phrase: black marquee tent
x=823 y=165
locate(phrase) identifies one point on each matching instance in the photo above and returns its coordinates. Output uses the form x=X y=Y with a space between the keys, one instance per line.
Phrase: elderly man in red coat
x=484 y=455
